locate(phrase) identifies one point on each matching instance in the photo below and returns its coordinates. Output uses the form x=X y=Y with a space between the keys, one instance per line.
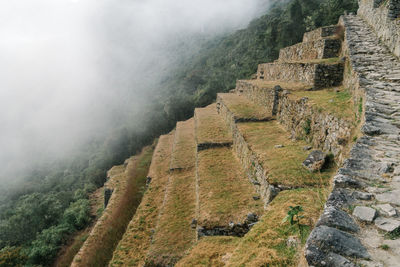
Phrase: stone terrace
x=245 y=153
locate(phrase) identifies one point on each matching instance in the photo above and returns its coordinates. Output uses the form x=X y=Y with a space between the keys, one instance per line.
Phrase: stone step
x=320 y=33
x=365 y=188
x=210 y=129
x=318 y=49
x=184 y=147
x=135 y=243
x=318 y=74
x=242 y=108
x=228 y=202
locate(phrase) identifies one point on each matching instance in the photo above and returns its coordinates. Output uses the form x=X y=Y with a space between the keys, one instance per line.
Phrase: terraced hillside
x=222 y=182
x=297 y=166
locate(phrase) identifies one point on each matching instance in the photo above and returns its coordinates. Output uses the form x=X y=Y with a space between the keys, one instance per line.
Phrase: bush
x=12 y=256
x=77 y=214
x=45 y=248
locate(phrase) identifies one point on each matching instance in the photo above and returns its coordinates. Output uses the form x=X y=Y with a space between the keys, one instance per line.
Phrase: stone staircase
x=234 y=168
x=360 y=224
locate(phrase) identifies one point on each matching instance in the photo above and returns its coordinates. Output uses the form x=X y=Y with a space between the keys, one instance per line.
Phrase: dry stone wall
x=319 y=33
x=382 y=17
x=318 y=75
x=323 y=48
x=247 y=157
x=324 y=131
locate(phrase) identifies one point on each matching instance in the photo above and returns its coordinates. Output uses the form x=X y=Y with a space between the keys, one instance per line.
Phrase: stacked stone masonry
x=319 y=49
x=382 y=17
x=319 y=33
x=326 y=131
x=362 y=211
x=319 y=75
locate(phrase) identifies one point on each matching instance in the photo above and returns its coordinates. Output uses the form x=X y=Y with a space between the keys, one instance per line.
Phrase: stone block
x=365 y=214
x=315 y=161
x=387 y=224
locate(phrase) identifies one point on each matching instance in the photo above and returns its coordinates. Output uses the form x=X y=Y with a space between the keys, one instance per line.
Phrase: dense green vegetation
x=37 y=217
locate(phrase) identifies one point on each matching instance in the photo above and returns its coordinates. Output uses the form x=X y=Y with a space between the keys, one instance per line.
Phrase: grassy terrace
x=244 y=108
x=225 y=193
x=336 y=101
x=184 y=145
x=210 y=251
x=285 y=85
x=284 y=165
x=174 y=235
x=265 y=244
x=210 y=127
x=128 y=190
x=133 y=247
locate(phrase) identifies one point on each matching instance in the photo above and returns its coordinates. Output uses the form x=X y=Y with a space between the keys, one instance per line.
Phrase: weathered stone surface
x=387 y=209
x=390 y=197
x=319 y=33
x=387 y=224
x=339 y=198
x=318 y=49
x=365 y=214
x=345 y=181
x=339 y=219
x=314 y=74
x=315 y=161
x=324 y=240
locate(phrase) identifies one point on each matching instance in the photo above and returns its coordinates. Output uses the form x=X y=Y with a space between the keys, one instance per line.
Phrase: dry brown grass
x=335 y=101
x=225 y=193
x=174 y=235
x=213 y=251
x=184 y=145
x=128 y=190
x=265 y=244
x=243 y=108
x=133 y=247
x=284 y=85
x=283 y=165
x=210 y=127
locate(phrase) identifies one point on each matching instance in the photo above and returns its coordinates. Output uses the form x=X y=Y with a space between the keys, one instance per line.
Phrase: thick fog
x=70 y=69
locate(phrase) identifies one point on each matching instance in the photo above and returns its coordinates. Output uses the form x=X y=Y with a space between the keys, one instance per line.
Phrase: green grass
x=210 y=251
x=333 y=101
x=225 y=193
x=173 y=235
x=283 y=165
x=265 y=244
x=210 y=127
x=135 y=242
x=243 y=108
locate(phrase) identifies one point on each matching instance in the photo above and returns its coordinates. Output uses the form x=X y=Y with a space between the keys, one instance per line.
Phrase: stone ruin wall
x=321 y=75
x=287 y=72
x=322 y=48
x=324 y=131
x=250 y=163
x=383 y=17
x=318 y=33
